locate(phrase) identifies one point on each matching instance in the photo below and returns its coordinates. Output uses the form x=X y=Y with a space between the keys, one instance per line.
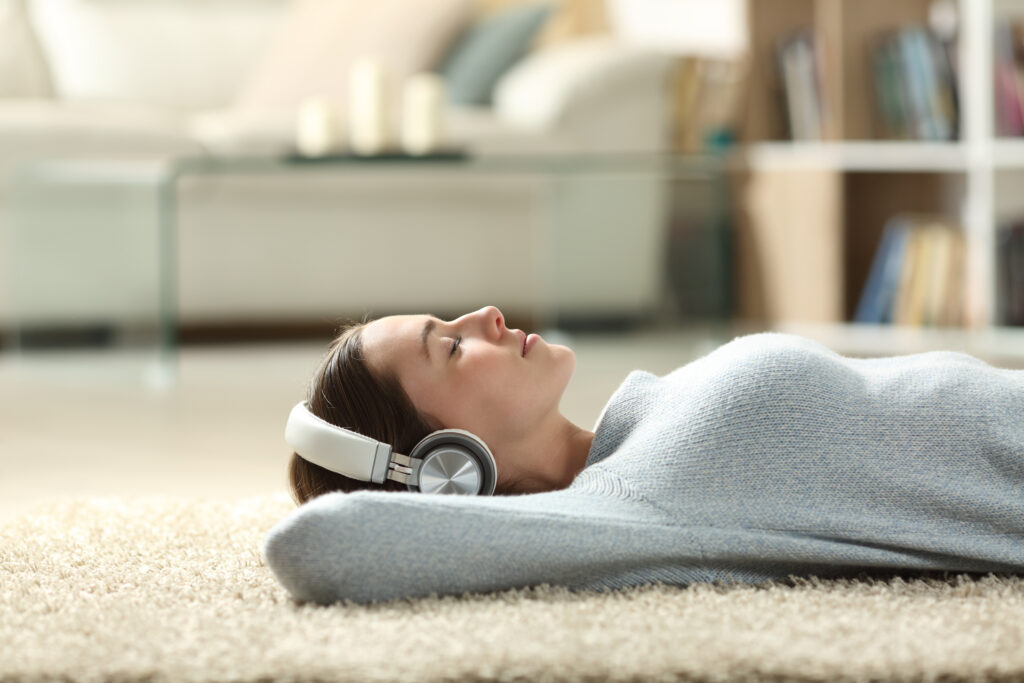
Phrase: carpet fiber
x=170 y=589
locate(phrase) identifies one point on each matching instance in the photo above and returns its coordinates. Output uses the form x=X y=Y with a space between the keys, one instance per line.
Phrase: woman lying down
x=769 y=457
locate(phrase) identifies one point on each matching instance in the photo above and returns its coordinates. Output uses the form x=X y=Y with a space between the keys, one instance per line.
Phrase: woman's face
x=471 y=373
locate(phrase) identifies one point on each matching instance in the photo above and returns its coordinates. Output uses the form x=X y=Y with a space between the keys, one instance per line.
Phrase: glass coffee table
x=93 y=252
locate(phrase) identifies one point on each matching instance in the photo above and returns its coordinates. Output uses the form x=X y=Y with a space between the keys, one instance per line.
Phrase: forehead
x=388 y=341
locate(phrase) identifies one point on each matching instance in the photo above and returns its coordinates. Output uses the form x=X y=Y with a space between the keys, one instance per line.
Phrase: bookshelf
x=1008 y=155
x=860 y=156
x=811 y=212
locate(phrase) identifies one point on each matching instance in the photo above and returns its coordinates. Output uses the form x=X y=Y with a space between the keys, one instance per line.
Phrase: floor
x=101 y=423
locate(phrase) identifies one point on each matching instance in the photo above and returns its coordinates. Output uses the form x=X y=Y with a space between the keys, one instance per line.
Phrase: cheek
x=493 y=384
x=464 y=398
x=487 y=388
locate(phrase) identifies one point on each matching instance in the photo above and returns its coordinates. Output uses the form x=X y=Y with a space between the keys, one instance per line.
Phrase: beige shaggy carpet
x=175 y=590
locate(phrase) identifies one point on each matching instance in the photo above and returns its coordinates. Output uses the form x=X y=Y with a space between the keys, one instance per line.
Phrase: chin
x=564 y=356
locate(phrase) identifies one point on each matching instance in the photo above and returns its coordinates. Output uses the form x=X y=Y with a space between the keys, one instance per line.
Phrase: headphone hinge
x=404 y=469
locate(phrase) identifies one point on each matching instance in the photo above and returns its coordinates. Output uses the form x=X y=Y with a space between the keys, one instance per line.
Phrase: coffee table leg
x=165 y=371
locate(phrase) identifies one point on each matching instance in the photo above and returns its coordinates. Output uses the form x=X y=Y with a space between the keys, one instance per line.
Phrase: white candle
x=318 y=130
x=422 y=102
x=368 y=110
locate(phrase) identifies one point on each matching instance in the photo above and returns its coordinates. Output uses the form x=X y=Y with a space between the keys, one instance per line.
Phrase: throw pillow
x=182 y=55
x=23 y=68
x=488 y=49
x=320 y=40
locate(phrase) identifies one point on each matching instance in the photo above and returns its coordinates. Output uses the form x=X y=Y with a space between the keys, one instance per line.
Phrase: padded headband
x=337 y=449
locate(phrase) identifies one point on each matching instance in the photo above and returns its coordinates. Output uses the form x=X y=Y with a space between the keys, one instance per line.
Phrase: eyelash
x=455 y=345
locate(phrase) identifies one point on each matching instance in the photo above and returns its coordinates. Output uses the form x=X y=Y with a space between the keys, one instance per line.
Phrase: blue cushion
x=488 y=49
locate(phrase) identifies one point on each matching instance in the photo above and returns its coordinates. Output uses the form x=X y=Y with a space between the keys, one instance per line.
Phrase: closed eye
x=455 y=345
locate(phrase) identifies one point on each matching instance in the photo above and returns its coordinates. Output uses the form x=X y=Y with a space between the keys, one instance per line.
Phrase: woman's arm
x=374 y=545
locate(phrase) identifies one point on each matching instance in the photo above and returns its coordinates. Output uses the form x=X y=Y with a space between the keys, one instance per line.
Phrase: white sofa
x=102 y=79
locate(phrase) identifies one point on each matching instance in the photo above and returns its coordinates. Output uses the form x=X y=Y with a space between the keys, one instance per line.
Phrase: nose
x=493 y=321
x=489 y=321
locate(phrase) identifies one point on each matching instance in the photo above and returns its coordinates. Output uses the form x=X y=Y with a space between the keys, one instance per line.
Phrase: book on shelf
x=917 y=275
x=707 y=102
x=1009 y=77
x=955 y=302
x=801 y=69
x=915 y=86
x=909 y=282
x=880 y=288
x=1010 y=274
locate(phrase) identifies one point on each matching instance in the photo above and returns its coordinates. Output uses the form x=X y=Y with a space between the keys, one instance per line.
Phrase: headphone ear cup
x=455 y=461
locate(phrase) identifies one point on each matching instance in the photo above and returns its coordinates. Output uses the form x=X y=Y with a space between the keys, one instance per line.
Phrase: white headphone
x=446 y=461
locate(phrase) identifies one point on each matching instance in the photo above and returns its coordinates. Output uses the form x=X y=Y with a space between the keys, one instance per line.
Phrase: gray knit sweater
x=771 y=456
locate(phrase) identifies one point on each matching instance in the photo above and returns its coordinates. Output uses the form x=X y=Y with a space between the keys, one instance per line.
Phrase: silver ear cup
x=450 y=470
x=454 y=462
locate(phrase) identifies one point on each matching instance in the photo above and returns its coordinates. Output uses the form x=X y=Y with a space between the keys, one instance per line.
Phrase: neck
x=579 y=441
x=552 y=458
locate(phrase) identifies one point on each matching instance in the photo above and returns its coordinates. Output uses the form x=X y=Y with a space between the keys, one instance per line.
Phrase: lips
x=531 y=341
x=523 y=344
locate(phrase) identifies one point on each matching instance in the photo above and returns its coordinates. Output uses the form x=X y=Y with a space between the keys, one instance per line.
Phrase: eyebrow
x=427 y=329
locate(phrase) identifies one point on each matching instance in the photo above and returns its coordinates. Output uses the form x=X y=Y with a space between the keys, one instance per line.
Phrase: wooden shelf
x=1008 y=154
x=869 y=156
x=882 y=156
x=1002 y=346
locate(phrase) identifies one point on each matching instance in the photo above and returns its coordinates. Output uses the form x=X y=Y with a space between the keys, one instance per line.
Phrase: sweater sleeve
x=374 y=545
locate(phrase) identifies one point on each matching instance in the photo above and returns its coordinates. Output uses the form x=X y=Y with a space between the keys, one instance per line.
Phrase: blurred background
x=195 y=195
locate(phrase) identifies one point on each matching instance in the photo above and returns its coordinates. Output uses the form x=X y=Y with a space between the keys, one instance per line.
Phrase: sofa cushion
x=605 y=94
x=539 y=90
x=483 y=134
x=23 y=68
x=320 y=39
x=234 y=131
x=185 y=55
x=42 y=128
x=487 y=49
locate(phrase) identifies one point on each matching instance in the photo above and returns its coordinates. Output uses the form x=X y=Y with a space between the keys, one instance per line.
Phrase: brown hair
x=347 y=394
